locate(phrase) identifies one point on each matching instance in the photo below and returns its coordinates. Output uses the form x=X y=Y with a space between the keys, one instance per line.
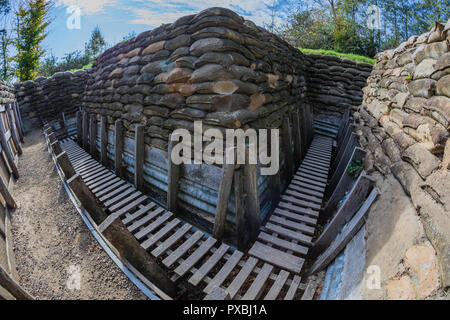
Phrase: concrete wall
x=404 y=124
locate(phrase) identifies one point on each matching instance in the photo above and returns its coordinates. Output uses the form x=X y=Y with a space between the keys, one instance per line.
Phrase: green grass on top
x=350 y=56
x=84 y=68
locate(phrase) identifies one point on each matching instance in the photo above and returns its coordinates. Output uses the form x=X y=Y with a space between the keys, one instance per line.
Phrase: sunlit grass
x=351 y=56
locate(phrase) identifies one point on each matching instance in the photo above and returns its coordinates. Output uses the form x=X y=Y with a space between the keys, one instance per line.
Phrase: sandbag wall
x=404 y=124
x=6 y=93
x=213 y=66
x=45 y=99
x=336 y=84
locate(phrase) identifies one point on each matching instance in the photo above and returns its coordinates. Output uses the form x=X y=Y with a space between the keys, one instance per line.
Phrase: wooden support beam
x=287 y=148
x=104 y=141
x=118 y=149
x=352 y=203
x=297 y=136
x=253 y=206
x=85 y=131
x=222 y=200
x=139 y=153
x=173 y=176
x=87 y=198
x=93 y=135
x=242 y=241
x=17 y=121
x=8 y=153
x=12 y=286
x=7 y=195
x=79 y=128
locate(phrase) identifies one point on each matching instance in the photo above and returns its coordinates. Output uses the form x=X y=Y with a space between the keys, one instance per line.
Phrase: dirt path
x=51 y=241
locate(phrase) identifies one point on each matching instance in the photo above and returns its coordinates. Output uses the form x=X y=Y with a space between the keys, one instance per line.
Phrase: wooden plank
x=131 y=206
x=255 y=290
x=117 y=195
x=103 y=140
x=105 y=193
x=352 y=203
x=313 y=177
x=277 y=285
x=14 y=130
x=288 y=245
x=201 y=273
x=239 y=280
x=7 y=195
x=173 y=176
x=125 y=201
x=161 y=233
x=350 y=145
x=240 y=209
x=105 y=174
x=300 y=237
x=152 y=226
x=64 y=163
x=293 y=225
x=253 y=206
x=85 y=131
x=104 y=183
x=93 y=135
x=296 y=217
x=306 y=204
x=344 y=237
x=163 y=247
x=297 y=209
x=217 y=294
x=118 y=147
x=223 y=199
x=139 y=157
x=304 y=183
x=7 y=150
x=138 y=213
x=293 y=288
x=287 y=147
x=299 y=195
x=277 y=257
x=12 y=286
x=18 y=121
x=305 y=191
x=220 y=277
x=190 y=261
x=181 y=250
x=308 y=180
x=297 y=136
x=317 y=172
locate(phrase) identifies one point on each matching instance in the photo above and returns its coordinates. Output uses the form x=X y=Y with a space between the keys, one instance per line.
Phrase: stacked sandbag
x=213 y=66
x=404 y=123
x=336 y=84
x=6 y=93
x=45 y=99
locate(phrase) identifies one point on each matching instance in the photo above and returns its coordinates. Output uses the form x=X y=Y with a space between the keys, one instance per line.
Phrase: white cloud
x=87 y=7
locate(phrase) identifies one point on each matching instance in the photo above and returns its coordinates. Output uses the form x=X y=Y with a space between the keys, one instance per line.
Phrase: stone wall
x=6 y=93
x=336 y=84
x=46 y=98
x=215 y=67
x=404 y=125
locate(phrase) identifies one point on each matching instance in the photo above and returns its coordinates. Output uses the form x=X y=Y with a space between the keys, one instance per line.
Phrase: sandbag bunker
x=197 y=225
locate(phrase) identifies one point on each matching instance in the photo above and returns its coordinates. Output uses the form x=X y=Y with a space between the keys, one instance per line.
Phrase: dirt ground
x=57 y=257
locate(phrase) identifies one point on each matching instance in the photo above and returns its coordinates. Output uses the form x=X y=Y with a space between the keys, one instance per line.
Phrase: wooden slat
x=257 y=286
x=217 y=294
x=287 y=147
x=297 y=209
x=300 y=237
x=181 y=250
x=85 y=131
x=146 y=219
x=308 y=180
x=131 y=206
x=152 y=226
x=307 y=191
x=253 y=205
x=277 y=285
x=160 y=234
x=288 y=245
x=208 y=265
x=163 y=247
x=296 y=217
x=300 y=195
x=277 y=257
x=239 y=280
x=93 y=135
x=116 y=195
x=99 y=192
x=190 y=261
x=306 y=204
x=138 y=213
x=293 y=225
x=104 y=183
x=224 y=271
x=304 y=183
x=293 y=288
x=125 y=201
x=317 y=180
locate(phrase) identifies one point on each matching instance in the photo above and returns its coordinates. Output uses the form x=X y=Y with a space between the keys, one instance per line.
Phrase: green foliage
x=350 y=56
x=96 y=44
x=32 y=24
x=356 y=167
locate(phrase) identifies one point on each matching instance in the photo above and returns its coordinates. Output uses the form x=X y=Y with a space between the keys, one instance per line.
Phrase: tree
x=5 y=41
x=32 y=23
x=96 y=44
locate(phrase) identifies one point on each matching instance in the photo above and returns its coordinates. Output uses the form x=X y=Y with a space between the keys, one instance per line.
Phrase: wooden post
x=86 y=198
x=139 y=153
x=297 y=135
x=173 y=176
x=6 y=195
x=104 y=141
x=287 y=148
x=12 y=286
x=17 y=120
x=85 y=131
x=222 y=200
x=8 y=152
x=93 y=135
x=253 y=206
x=79 y=128
x=13 y=129
x=240 y=210
x=118 y=150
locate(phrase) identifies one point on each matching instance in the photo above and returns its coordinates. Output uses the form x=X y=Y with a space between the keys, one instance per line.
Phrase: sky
x=118 y=18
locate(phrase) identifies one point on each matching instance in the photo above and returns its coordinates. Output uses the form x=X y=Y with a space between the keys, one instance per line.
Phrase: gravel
x=51 y=242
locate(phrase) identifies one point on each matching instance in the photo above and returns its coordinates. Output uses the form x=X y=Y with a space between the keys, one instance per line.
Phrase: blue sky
x=117 y=18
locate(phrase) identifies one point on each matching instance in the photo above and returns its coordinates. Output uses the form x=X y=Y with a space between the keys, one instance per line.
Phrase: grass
x=84 y=68
x=350 y=56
